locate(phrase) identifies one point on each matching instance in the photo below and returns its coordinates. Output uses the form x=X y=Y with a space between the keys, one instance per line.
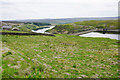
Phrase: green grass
x=63 y=56
x=29 y=27
x=13 y=31
x=100 y=23
x=68 y=29
x=0 y=58
x=77 y=27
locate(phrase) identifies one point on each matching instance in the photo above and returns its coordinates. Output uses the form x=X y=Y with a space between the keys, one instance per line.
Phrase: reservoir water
x=96 y=34
x=91 y=34
x=43 y=30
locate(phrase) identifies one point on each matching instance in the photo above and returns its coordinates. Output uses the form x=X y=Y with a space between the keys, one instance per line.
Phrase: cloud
x=30 y=9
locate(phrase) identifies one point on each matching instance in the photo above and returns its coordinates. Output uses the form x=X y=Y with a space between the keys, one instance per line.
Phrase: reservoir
x=43 y=30
x=96 y=34
x=91 y=34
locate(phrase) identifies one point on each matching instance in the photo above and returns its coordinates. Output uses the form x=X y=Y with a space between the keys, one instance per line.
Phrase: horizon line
x=58 y=18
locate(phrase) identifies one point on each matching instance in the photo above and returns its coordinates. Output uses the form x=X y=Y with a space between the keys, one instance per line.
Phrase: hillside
x=25 y=26
x=83 y=26
x=63 y=56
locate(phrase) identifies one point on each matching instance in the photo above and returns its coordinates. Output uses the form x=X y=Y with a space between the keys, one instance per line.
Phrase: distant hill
x=66 y=20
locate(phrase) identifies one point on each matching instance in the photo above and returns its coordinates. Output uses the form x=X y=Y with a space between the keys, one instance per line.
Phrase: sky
x=41 y=9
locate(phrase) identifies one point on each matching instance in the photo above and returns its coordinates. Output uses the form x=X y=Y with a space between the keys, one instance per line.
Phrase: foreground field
x=63 y=56
x=13 y=31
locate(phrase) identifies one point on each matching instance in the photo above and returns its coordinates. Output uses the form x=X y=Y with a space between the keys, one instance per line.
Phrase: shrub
x=6 y=54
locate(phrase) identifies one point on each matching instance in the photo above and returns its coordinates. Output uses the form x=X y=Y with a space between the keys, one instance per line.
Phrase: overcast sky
x=39 y=9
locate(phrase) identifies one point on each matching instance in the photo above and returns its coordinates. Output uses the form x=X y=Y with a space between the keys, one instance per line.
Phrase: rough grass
x=63 y=56
x=13 y=31
x=0 y=57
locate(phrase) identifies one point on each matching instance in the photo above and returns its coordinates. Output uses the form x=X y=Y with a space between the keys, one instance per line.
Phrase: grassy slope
x=100 y=23
x=0 y=58
x=67 y=29
x=63 y=56
x=29 y=27
x=86 y=25
x=13 y=31
x=25 y=27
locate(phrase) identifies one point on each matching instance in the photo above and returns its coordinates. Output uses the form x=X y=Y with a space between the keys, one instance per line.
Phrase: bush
x=6 y=54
